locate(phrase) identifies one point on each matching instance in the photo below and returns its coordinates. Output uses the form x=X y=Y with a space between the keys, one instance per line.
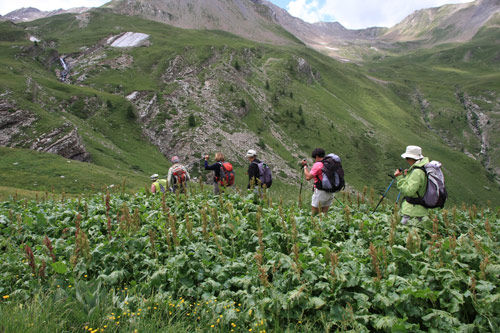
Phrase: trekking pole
x=301 y=178
x=399 y=196
x=340 y=202
x=383 y=195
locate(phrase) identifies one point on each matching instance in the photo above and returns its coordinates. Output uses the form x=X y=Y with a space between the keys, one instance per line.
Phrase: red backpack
x=179 y=174
x=226 y=174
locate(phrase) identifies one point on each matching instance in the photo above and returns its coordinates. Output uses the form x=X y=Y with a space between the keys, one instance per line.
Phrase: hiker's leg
x=405 y=219
x=216 y=188
x=315 y=202
x=325 y=209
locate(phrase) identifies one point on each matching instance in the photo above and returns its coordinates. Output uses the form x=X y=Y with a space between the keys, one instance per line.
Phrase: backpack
x=435 y=191
x=265 y=174
x=333 y=174
x=179 y=175
x=226 y=174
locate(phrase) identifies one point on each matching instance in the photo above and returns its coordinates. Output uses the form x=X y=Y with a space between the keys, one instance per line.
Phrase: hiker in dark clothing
x=219 y=158
x=253 y=169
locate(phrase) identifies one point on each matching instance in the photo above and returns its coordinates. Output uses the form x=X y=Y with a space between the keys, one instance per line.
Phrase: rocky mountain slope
x=30 y=13
x=449 y=23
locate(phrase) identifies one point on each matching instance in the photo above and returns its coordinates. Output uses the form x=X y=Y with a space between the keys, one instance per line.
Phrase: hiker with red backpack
x=178 y=176
x=328 y=178
x=422 y=185
x=258 y=172
x=223 y=172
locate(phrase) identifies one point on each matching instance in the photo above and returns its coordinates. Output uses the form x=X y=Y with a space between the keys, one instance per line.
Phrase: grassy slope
x=367 y=123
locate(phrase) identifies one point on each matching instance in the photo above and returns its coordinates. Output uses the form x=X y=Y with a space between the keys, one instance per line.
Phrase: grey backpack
x=265 y=174
x=435 y=193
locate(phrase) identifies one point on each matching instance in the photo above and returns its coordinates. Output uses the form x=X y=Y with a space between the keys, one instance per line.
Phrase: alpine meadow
x=95 y=101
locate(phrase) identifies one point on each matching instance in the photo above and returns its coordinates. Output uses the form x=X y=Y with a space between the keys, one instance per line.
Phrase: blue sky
x=353 y=14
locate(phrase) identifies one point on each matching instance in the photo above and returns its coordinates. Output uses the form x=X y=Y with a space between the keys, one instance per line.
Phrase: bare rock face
x=12 y=121
x=64 y=143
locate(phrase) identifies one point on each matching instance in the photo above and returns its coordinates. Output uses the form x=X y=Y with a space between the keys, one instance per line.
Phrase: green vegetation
x=198 y=262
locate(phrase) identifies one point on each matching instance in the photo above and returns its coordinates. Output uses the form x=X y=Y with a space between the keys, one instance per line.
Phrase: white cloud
x=305 y=9
x=8 y=6
x=356 y=14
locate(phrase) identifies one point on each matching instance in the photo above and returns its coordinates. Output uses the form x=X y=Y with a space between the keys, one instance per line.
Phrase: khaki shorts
x=321 y=197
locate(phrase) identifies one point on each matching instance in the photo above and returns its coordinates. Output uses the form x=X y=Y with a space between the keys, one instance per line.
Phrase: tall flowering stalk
x=31 y=258
x=48 y=244
x=375 y=264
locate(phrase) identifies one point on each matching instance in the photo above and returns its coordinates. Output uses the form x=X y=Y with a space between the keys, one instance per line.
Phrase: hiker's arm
x=153 y=188
x=307 y=173
x=410 y=184
x=211 y=167
x=188 y=177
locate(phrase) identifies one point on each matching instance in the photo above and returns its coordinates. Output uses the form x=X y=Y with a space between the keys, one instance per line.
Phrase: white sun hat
x=154 y=176
x=414 y=152
x=251 y=153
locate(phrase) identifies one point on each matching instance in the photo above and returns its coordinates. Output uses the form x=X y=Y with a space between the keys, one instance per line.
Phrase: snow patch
x=129 y=39
x=34 y=39
x=331 y=48
x=132 y=96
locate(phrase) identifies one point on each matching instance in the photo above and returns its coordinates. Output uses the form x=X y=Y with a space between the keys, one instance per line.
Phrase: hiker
x=158 y=185
x=258 y=172
x=412 y=183
x=178 y=175
x=223 y=172
x=319 y=197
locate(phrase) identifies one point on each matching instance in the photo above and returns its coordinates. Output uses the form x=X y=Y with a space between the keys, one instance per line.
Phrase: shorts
x=321 y=197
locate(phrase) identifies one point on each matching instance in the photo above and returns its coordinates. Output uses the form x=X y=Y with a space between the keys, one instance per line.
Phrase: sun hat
x=154 y=176
x=175 y=159
x=251 y=153
x=414 y=152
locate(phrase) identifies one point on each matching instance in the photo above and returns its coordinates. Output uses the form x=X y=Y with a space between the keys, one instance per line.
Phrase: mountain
x=30 y=13
x=126 y=93
x=449 y=23
x=250 y=19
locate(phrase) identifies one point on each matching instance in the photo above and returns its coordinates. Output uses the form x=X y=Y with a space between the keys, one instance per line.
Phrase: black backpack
x=333 y=174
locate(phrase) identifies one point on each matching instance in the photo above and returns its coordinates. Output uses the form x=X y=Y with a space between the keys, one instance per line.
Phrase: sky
x=352 y=14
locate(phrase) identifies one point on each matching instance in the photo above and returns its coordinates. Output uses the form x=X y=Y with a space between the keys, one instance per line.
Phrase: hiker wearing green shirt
x=412 y=183
x=159 y=185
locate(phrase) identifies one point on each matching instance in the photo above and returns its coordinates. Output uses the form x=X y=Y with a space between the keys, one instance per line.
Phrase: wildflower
x=125 y=288
x=212 y=326
x=58 y=286
x=220 y=316
x=69 y=286
x=85 y=275
x=117 y=323
x=250 y=312
x=249 y=330
x=155 y=308
x=233 y=324
x=6 y=296
x=105 y=326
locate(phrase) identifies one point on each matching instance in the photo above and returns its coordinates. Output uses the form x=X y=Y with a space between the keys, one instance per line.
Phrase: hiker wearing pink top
x=319 y=197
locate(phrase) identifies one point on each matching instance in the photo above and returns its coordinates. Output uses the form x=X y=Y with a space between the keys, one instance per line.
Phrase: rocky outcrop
x=12 y=121
x=64 y=141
